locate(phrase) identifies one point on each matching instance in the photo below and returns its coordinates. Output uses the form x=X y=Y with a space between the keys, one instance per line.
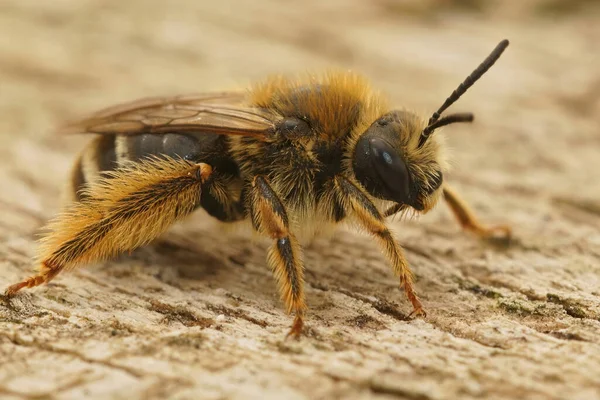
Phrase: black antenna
x=449 y=119
x=433 y=122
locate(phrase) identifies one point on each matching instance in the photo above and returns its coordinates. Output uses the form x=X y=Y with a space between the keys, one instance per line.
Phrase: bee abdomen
x=77 y=179
x=98 y=156
x=174 y=145
x=107 y=152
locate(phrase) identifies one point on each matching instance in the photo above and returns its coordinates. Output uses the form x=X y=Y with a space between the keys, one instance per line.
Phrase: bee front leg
x=134 y=205
x=270 y=218
x=469 y=221
x=371 y=219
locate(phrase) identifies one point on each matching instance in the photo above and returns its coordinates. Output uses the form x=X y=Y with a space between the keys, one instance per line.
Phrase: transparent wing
x=222 y=113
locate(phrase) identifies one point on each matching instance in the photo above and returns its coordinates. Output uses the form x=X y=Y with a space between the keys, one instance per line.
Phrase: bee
x=288 y=154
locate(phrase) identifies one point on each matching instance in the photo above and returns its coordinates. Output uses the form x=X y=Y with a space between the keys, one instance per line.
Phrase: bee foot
x=500 y=231
x=297 y=328
x=500 y=234
x=27 y=283
x=417 y=312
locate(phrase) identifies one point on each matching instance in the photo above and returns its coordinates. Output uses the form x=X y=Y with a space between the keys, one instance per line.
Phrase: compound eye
x=391 y=169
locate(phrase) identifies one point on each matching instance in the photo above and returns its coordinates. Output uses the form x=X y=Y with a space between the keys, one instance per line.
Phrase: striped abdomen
x=108 y=152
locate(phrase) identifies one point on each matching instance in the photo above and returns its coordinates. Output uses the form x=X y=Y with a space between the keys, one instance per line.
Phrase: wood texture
x=197 y=314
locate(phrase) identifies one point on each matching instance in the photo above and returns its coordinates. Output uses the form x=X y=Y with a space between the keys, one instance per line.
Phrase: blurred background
x=531 y=159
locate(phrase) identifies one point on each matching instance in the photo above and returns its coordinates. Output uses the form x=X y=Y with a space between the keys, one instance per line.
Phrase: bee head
x=391 y=164
x=398 y=159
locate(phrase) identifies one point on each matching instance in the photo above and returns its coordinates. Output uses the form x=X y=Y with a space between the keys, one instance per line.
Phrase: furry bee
x=287 y=154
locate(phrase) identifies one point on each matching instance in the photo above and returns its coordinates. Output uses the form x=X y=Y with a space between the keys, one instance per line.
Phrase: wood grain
x=196 y=315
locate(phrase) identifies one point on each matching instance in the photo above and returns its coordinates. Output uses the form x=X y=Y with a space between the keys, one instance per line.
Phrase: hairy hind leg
x=129 y=209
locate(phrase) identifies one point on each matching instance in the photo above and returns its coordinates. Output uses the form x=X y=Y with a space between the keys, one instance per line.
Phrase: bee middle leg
x=467 y=219
x=372 y=220
x=269 y=217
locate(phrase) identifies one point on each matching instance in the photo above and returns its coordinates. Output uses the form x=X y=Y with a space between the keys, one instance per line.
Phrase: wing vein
x=224 y=113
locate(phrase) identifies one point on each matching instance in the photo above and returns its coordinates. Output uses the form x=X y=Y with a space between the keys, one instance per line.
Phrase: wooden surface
x=196 y=315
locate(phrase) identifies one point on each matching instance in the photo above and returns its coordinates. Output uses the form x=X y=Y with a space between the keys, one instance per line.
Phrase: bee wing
x=221 y=113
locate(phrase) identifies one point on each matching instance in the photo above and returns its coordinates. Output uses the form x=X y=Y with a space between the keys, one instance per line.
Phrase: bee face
x=391 y=165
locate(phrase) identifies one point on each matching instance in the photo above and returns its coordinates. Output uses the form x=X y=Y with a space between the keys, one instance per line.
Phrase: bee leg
x=270 y=218
x=469 y=221
x=371 y=219
x=129 y=209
